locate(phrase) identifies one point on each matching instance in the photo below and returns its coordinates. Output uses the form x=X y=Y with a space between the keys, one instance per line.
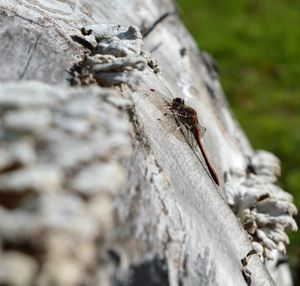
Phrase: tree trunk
x=94 y=190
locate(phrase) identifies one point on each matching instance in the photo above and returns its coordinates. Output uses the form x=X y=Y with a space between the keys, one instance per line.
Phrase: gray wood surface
x=93 y=190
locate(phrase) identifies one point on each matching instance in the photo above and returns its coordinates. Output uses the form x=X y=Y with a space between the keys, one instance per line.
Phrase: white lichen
x=114 y=57
x=264 y=209
x=58 y=179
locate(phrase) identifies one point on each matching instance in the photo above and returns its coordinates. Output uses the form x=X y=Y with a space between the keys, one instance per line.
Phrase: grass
x=256 y=44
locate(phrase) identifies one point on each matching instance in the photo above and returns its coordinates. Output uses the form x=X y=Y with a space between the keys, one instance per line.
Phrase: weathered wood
x=93 y=190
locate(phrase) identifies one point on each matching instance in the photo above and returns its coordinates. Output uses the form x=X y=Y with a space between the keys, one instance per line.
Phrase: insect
x=186 y=119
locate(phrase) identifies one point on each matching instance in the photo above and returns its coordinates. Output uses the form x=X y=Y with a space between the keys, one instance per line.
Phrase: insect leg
x=167 y=110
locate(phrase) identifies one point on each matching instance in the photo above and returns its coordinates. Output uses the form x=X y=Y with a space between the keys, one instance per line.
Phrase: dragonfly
x=186 y=121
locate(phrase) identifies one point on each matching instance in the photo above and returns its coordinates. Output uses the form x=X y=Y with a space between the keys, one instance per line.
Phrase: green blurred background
x=257 y=46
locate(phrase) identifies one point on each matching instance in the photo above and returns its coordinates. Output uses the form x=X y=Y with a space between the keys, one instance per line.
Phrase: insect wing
x=176 y=128
x=171 y=125
x=159 y=100
x=202 y=130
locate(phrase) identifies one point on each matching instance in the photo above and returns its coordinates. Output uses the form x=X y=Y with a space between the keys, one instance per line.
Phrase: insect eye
x=178 y=101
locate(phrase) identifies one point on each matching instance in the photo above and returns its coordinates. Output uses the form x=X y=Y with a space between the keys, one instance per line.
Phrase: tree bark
x=93 y=189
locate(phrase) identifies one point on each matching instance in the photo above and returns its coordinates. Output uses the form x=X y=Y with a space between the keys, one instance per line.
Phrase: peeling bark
x=93 y=190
